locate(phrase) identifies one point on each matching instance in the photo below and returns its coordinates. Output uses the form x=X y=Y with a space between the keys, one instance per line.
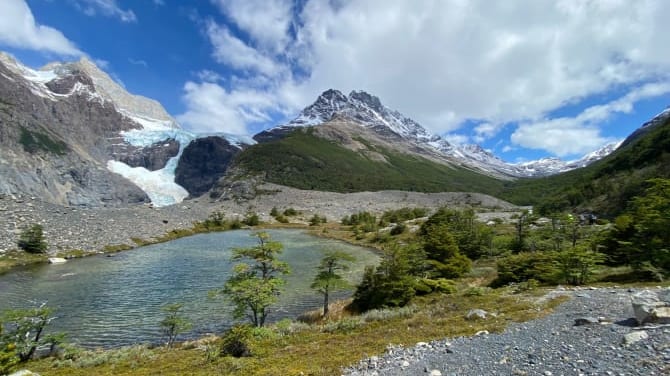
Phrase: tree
x=577 y=265
x=174 y=323
x=25 y=331
x=327 y=279
x=32 y=239
x=8 y=358
x=256 y=283
x=390 y=284
x=442 y=253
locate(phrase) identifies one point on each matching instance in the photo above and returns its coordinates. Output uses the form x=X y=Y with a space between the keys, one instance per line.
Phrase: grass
x=33 y=141
x=15 y=258
x=305 y=161
x=322 y=348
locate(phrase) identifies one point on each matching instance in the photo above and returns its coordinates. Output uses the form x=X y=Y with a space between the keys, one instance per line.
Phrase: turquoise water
x=106 y=302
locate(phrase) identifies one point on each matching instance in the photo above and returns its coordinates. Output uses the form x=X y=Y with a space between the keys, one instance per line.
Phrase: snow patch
x=159 y=185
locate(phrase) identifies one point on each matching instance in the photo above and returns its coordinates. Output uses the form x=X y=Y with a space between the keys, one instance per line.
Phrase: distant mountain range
x=368 y=111
x=71 y=135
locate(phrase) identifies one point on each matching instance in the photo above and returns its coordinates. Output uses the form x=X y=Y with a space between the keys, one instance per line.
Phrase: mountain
x=71 y=135
x=607 y=185
x=340 y=155
x=368 y=111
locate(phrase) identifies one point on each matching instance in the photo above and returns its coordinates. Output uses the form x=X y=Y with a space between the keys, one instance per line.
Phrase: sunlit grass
x=320 y=348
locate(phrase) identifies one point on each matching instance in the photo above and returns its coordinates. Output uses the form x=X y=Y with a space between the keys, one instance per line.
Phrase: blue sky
x=525 y=79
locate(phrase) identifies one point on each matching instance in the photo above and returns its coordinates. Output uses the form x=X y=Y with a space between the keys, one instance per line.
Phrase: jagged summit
x=368 y=111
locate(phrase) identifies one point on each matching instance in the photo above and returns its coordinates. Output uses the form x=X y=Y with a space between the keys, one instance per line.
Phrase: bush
x=252 y=219
x=317 y=220
x=235 y=342
x=525 y=266
x=32 y=239
x=398 y=229
x=290 y=212
x=441 y=285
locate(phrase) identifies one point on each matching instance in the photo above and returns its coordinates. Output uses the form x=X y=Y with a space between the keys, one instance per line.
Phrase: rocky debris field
x=91 y=229
x=595 y=333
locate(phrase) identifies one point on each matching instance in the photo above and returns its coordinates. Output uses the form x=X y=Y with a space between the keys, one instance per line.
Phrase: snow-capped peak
x=368 y=111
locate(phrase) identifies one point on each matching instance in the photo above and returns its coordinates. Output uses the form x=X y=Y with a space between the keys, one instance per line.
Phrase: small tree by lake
x=328 y=278
x=32 y=239
x=256 y=281
x=174 y=323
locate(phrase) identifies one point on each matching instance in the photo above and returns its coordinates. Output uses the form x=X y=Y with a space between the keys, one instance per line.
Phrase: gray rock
x=476 y=314
x=586 y=321
x=649 y=308
x=634 y=337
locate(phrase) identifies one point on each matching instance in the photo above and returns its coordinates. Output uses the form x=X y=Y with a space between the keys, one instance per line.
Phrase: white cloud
x=212 y=108
x=19 y=29
x=209 y=76
x=443 y=62
x=232 y=51
x=266 y=22
x=582 y=133
x=108 y=8
x=159 y=2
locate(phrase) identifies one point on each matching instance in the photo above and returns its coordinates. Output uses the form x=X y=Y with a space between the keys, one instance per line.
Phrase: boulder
x=651 y=307
x=57 y=260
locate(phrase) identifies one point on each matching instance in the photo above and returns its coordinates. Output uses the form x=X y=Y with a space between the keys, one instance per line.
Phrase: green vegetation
x=32 y=239
x=327 y=279
x=34 y=142
x=605 y=186
x=323 y=348
x=174 y=323
x=22 y=332
x=305 y=161
x=256 y=284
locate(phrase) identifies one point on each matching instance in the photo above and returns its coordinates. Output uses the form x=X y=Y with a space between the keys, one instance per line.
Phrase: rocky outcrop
x=652 y=306
x=203 y=162
x=55 y=145
x=153 y=157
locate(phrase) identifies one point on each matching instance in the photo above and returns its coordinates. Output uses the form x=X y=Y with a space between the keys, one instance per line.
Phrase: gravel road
x=552 y=345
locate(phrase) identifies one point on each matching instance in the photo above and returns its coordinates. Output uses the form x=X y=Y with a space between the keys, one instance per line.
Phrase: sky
x=525 y=79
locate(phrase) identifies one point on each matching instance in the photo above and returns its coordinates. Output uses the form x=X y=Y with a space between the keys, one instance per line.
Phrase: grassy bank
x=319 y=348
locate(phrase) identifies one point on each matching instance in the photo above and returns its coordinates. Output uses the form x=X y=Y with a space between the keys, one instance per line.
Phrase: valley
x=88 y=168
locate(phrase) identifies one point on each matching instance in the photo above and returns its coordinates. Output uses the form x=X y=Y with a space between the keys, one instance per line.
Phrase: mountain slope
x=332 y=157
x=66 y=130
x=368 y=111
x=607 y=185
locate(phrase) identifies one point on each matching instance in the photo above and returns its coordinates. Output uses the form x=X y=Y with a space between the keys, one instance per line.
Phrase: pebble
x=549 y=346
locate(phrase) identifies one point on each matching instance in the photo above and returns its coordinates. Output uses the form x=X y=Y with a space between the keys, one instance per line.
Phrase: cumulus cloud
x=19 y=29
x=212 y=108
x=265 y=21
x=107 y=8
x=580 y=134
x=447 y=63
x=232 y=51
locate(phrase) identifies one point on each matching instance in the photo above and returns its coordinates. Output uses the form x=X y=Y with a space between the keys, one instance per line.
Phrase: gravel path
x=552 y=345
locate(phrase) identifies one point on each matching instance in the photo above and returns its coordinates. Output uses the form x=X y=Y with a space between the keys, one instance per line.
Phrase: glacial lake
x=114 y=301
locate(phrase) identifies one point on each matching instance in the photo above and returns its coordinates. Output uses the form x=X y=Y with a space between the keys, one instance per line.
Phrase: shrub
x=441 y=285
x=317 y=220
x=290 y=212
x=525 y=266
x=235 y=342
x=32 y=239
x=398 y=229
x=251 y=219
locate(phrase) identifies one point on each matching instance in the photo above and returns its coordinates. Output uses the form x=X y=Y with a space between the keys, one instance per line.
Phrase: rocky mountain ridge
x=368 y=111
x=68 y=129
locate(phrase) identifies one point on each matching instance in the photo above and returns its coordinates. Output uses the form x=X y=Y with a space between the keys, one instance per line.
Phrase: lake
x=103 y=301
